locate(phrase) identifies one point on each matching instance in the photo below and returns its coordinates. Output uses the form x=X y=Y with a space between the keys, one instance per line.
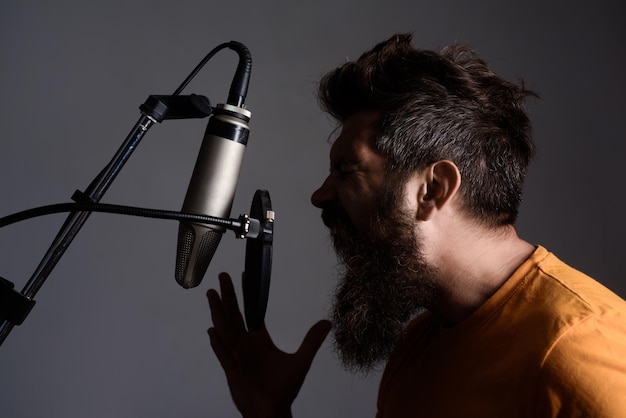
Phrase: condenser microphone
x=211 y=191
x=214 y=181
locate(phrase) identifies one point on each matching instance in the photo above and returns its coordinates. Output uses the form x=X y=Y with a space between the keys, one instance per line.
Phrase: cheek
x=361 y=212
x=362 y=199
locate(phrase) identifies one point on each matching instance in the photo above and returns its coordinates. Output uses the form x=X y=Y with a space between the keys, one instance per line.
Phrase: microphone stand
x=155 y=109
x=76 y=220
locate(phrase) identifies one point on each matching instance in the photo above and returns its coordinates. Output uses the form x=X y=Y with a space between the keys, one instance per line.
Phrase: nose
x=325 y=194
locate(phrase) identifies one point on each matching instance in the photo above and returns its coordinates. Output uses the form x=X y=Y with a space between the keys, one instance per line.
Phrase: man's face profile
x=383 y=278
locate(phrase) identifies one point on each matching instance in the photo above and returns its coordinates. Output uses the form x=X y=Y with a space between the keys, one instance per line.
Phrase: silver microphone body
x=211 y=191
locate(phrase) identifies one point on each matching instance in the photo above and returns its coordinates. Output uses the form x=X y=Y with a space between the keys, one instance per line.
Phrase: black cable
x=199 y=67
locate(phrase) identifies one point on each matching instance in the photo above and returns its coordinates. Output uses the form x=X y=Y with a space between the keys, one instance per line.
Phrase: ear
x=441 y=181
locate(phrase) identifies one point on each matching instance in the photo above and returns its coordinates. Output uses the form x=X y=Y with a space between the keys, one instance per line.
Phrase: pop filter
x=258 y=264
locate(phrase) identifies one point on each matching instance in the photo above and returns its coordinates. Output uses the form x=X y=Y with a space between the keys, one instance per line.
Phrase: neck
x=472 y=266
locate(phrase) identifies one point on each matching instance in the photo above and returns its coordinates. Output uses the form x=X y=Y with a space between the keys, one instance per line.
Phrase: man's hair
x=446 y=105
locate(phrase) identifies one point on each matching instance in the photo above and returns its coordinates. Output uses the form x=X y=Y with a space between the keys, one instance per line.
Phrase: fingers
x=229 y=329
x=217 y=311
x=222 y=354
x=225 y=314
x=313 y=341
x=230 y=304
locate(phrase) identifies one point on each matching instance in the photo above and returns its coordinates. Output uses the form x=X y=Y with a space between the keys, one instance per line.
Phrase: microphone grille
x=193 y=257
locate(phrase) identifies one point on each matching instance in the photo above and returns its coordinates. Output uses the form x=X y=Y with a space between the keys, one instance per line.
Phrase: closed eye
x=345 y=168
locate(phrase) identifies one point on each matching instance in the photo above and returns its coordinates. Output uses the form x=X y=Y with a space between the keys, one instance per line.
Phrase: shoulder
x=569 y=296
x=583 y=369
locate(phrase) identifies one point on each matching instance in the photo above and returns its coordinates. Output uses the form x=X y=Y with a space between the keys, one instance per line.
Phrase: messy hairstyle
x=435 y=106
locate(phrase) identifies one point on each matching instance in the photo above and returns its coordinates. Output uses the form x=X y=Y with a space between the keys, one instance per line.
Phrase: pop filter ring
x=258 y=262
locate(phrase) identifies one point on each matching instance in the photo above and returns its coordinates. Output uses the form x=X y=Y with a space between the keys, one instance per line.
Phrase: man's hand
x=263 y=380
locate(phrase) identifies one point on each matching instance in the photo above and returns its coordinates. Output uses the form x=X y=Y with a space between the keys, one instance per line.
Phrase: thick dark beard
x=385 y=284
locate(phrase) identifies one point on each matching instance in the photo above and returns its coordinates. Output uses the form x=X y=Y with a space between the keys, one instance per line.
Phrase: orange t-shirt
x=551 y=342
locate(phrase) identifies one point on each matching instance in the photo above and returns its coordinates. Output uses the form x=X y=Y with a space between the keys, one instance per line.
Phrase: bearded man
x=423 y=192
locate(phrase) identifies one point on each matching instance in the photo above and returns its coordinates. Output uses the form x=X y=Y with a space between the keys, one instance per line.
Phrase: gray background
x=112 y=334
